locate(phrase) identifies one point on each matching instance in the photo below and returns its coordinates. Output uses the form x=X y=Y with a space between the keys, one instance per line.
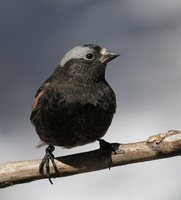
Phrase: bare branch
x=156 y=147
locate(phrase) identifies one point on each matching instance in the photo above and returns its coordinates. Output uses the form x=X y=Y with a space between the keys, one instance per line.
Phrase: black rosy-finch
x=75 y=105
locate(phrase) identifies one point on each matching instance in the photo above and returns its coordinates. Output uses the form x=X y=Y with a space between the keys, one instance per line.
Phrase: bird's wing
x=37 y=100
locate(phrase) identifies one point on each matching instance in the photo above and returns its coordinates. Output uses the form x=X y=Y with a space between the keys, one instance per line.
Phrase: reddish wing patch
x=36 y=100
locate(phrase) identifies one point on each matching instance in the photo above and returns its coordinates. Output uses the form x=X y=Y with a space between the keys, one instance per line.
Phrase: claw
x=107 y=149
x=45 y=162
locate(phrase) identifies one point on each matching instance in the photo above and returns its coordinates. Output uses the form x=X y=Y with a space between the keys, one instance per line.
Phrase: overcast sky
x=34 y=35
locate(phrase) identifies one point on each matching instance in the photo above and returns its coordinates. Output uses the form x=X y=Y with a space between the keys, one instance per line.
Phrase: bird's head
x=89 y=54
x=87 y=61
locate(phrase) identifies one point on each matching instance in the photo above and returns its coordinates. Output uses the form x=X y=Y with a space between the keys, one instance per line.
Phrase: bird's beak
x=107 y=56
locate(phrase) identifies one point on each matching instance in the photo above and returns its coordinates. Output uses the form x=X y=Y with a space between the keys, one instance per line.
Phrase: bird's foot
x=107 y=149
x=45 y=162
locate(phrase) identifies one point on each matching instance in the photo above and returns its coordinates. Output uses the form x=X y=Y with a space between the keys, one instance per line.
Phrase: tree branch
x=156 y=147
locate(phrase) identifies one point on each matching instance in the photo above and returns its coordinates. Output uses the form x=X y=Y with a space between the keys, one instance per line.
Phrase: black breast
x=73 y=116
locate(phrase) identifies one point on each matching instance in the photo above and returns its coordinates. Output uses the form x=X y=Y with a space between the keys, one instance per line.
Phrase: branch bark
x=156 y=147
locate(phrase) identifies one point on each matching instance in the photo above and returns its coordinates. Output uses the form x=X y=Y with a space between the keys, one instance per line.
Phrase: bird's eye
x=89 y=56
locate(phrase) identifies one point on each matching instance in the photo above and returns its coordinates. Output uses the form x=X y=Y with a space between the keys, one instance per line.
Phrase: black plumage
x=75 y=105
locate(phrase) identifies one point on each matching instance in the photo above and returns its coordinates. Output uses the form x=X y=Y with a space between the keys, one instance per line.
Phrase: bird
x=75 y=105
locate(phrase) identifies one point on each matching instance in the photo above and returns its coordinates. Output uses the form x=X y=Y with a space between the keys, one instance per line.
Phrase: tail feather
x=41 y=144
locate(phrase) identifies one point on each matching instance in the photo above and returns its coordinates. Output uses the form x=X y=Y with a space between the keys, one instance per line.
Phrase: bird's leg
x=107 y=149
x=45 y=162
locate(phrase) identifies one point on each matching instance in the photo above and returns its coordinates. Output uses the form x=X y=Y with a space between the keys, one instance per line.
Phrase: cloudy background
x=34 y=35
